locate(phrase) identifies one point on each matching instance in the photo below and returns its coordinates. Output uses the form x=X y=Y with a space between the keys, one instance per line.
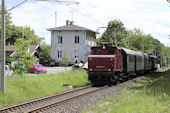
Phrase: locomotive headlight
x=90 y=59
x=90 y=69
x=109 y=69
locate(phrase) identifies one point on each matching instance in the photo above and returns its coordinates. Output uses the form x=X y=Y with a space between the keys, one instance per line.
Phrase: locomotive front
x=102 y=64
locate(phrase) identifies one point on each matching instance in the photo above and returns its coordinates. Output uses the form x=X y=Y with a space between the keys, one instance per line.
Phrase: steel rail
x=46 y=107
x=38 y=100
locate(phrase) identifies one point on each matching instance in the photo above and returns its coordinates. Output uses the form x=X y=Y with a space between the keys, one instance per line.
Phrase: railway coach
x=108 y=64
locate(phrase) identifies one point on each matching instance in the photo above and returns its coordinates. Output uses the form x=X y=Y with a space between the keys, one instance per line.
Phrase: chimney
x=71 y=23
x=67 y=22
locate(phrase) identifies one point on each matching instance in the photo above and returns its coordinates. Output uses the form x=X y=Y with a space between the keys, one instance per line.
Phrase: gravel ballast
x=76 y=106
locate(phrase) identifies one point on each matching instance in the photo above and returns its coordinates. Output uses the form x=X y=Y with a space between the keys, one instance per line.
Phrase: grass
x=29 y=87
x=149 y=96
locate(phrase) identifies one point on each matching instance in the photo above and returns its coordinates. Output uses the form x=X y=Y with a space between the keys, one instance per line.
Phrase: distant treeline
x=134 y=39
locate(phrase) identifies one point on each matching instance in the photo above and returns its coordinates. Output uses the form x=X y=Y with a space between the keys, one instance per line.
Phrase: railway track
x=44 y=103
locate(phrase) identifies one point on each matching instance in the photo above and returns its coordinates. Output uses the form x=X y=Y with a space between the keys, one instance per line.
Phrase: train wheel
x=113 y=80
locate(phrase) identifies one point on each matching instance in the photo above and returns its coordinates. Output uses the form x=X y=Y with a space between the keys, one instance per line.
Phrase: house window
x=77 y=39
x=76 y=54
x=60 y=54
x=60 y=39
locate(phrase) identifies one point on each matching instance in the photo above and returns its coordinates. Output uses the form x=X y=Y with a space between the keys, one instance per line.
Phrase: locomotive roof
x=153 y=56
x=146 y=55
x=131 y=52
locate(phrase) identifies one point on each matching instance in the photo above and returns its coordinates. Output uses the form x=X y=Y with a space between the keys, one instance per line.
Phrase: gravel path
x=78 y=105
x=57 y=69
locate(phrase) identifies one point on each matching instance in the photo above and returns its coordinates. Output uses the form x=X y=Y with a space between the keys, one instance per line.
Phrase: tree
x=66 y=60
x=14 y=32
x=17 y=32
x=115 y=32
x=45 y=54
x=23 y=59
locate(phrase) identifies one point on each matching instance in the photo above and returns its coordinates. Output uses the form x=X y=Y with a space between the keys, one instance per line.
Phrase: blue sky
x=151 y=16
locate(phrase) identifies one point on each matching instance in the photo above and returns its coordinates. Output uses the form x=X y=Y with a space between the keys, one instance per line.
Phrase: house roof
x=13 y=47
x=70 y=28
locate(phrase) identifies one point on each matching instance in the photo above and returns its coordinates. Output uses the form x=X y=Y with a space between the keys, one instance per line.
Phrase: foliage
x=45 y=54
x=25 y=32
x=133 y=39
x=21 y=89
x=149 y=96
x=115 y=29
x=14 y=32
x=66 y=60
x=23 y=59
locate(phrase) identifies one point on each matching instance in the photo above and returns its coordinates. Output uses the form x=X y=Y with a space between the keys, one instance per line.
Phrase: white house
x=72 y=40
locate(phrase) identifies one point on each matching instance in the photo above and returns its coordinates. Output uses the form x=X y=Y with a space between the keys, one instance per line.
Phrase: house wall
x=69 y=46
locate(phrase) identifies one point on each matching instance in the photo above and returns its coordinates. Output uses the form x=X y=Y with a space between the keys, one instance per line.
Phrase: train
x=108 y=64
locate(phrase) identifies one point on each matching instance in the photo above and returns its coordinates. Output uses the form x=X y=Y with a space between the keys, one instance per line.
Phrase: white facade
x=74 y=43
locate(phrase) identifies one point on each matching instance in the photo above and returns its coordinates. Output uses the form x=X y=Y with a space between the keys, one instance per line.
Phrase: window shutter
x=62 y=39
x=80 y=54
x=56 y=39
x=73 y=55
x=80 y=39
x=56 y=54
x=62 y=54
x=73 y=39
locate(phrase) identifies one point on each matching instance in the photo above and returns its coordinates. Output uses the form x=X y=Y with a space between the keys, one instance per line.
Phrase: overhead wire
x=96 y=21
x=84 y=15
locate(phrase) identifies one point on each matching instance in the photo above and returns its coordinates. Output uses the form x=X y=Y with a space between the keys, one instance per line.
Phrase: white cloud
x=151 y=16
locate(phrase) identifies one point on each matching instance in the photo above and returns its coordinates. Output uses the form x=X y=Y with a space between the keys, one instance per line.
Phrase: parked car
x=85 y=66
x=8 y=71
x=37 y=68
x=78 y=64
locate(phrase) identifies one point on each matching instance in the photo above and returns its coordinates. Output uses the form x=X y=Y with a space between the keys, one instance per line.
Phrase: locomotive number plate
x=100 y=66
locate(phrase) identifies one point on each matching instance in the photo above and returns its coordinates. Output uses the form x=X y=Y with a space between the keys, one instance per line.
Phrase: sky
x=151 y=16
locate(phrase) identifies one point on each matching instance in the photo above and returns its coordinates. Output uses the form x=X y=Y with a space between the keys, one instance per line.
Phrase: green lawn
x=29 y=87
x=149 y=96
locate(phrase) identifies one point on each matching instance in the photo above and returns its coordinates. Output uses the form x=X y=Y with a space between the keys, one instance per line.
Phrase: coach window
x=131 y=58
x=110 y=51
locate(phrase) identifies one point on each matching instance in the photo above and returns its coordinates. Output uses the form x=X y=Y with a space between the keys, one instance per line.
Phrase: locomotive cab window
x=110 y=51
x=97 y=51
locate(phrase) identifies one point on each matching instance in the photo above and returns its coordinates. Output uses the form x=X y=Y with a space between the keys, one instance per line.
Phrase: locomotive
x=108 y=64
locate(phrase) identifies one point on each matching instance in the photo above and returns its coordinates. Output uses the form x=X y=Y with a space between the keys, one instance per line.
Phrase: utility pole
x=23 y=34
x=3 y=41
x=3 y=61
x=114 y=34
x=60 y=1
x=72 y=15
x=161 y=60
x=55 y=18
x=143 y=48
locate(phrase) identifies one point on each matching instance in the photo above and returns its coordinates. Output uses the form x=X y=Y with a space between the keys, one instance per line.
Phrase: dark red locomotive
x=109 y=64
